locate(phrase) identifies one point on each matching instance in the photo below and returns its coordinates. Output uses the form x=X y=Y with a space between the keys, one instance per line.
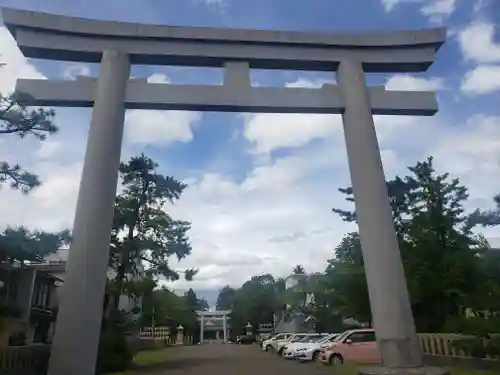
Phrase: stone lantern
x=180 y=335
x=249 y=329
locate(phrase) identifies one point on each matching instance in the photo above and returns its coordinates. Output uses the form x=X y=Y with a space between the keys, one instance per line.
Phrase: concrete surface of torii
x=117 y=45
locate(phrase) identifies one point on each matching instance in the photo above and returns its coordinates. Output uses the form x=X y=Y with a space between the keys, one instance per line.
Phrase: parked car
x=246 y=340
x=359 y=346
x=265 y=336
x=289 y=350
x=311 y=351
x=296 y=337
x=271 y=344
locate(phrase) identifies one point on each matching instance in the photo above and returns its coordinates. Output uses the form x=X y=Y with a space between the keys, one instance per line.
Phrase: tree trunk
x=115 y=302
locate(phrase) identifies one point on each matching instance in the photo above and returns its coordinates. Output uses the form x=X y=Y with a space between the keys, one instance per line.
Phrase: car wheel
x=269 y=348
x=335 y=360
x=280 y=352
x=315 y=356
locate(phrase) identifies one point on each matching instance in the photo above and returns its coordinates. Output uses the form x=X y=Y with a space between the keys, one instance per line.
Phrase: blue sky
x=261 y=186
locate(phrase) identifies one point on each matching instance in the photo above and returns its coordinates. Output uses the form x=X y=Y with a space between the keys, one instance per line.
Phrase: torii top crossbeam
x=41 y=35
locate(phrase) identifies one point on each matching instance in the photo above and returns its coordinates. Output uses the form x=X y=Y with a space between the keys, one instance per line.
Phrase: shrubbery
x=479 y=347
x=484 y=340
x=114 y=352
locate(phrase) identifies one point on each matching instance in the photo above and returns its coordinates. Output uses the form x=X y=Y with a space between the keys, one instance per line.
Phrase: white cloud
x=218 y=5
x=406 y=82
x=16 y=64
x=438 y=10
x=159 y=127
x=51 y=206
x=272 y=131
x=158 y=78
x=480 y=5
x=269 y=132
x=390 y=4
x=484 y=79
x=435 y=10
x=73 y=70
x=49 y=149
x=477 y=43
x=275 y=217
x=310 y=84
x=472 y=153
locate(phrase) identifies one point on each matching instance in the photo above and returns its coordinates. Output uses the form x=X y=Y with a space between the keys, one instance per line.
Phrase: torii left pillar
x=76 y=339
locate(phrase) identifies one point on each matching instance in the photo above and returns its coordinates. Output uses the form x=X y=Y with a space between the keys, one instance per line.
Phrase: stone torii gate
x=117 y=45
x=217 y=316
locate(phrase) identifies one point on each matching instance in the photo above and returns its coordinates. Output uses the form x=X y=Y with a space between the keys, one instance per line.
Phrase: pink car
x=358 y=346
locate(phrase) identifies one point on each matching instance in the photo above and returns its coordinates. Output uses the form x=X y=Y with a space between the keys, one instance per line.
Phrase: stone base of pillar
x=380 y=370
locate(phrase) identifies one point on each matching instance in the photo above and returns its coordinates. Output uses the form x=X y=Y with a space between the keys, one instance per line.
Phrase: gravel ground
x=230 y=359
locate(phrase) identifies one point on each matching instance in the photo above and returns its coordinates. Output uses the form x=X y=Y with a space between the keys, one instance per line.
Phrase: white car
x=296 y=337
x=289 y=349
x=310 y=351
x=272 y=343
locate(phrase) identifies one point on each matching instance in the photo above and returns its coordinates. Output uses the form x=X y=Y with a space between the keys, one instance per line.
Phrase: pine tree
x=143 y=232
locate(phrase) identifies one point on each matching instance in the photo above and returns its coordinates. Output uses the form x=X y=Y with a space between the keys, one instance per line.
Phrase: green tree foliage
x=298 y=270
x=347 y=291
x=143 y=232
x=114 y=353
x=225 y=299
x=21 y=245
x=256 y=301
x=441 y=258
x=165 y=308
x=16 y=118
x=489 y=218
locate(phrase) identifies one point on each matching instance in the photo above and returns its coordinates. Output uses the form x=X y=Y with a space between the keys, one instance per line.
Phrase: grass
x=147 y=358
x=152 y=357
x=352 y=369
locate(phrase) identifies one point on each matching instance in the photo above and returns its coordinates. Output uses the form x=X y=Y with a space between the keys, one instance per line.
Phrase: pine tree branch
x=18 y=179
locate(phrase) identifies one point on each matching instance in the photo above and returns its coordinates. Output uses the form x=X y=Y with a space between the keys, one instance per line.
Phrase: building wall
x=25 y=280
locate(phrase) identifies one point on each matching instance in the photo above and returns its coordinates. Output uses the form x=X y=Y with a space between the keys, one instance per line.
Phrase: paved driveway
x=231 y=359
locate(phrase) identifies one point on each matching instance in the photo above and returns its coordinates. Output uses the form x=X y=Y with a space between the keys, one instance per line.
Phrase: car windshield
x=297 y=338
x=307 y=338
x=341 y=336
x=326 y=339
x=316 y=338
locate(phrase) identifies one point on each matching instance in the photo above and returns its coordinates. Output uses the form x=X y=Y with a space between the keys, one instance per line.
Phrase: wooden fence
x=441 y=344
x=163 y=334
x=24 y=359
x=156 y=333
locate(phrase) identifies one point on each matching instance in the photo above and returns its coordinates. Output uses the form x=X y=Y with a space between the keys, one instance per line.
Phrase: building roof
x=51 y=267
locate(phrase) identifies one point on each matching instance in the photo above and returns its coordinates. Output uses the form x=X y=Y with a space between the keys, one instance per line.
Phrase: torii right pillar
x=389 y=299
